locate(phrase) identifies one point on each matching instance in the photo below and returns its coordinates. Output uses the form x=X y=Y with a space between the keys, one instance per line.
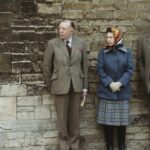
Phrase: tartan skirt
x=112 y=112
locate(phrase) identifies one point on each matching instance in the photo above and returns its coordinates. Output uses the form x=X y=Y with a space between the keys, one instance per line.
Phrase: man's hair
x=69 y=21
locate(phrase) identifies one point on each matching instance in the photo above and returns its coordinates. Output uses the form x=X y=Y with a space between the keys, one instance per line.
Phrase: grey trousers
x=68 y=114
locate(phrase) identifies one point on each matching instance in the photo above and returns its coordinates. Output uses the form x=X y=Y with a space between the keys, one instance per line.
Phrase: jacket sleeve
x=48 y=64
x=85 y=65
x=103 y=76
x=129 y=71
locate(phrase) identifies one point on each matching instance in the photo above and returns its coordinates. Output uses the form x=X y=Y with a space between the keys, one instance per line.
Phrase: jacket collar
x=62 y=45
x=70 y=41
x=123 y=49
x=119 y=46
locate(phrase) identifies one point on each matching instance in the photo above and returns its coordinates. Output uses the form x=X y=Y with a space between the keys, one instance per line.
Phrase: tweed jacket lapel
x=62 y=46
x=74 y=45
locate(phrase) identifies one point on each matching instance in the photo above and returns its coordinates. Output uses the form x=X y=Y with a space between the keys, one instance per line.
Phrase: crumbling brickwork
x=27 y=111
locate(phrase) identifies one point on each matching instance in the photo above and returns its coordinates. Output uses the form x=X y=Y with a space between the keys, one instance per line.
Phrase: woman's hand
x=115 y=86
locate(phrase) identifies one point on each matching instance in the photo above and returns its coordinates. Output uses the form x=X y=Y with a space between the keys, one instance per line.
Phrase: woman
x=115 y=69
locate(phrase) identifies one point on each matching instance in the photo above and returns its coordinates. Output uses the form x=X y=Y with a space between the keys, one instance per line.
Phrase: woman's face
x=110 y=40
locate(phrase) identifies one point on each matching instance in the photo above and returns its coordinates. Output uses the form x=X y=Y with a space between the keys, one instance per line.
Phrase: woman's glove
x=115 y=86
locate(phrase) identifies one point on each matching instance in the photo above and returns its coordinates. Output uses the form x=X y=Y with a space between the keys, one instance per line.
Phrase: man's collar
x=70 y=40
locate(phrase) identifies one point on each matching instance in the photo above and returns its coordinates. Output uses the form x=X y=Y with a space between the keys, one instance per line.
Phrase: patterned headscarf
x=116 y=32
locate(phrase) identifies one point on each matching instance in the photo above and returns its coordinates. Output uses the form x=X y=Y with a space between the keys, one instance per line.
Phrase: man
x=144 y=61
x=65 y=74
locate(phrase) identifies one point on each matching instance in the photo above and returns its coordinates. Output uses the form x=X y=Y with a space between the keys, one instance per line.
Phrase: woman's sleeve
x=129 y=71
x=103 y=76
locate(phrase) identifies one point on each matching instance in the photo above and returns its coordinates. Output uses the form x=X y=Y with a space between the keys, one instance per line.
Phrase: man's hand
x=84 y=94
x=84 y=91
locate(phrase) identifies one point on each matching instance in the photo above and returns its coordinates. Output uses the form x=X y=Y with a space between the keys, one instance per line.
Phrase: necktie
x=68 y=48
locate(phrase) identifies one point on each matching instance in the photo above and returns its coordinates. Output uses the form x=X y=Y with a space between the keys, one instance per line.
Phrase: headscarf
x=117 y=35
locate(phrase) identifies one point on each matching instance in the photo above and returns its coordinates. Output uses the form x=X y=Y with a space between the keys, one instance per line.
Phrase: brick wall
x=27 y=112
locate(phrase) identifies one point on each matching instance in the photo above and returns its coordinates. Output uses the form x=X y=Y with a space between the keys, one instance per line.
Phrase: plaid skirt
x=111 y=112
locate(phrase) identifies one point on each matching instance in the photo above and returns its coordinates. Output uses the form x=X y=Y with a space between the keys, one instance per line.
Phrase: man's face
x=65 y=30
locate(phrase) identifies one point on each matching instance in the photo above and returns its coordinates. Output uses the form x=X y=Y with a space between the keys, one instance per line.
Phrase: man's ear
x=72 y=25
